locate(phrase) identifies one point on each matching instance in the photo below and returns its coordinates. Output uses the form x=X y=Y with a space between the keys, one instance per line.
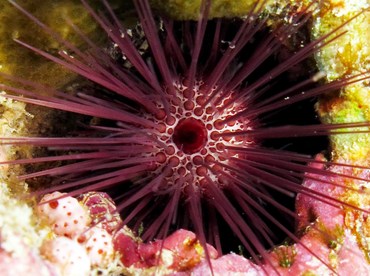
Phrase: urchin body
x=188 y=137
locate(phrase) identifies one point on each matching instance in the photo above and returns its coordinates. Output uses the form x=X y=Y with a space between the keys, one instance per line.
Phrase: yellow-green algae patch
x=17 y=119
x=15 y=59
x=348 y=55
x=189 y=9
x=14 y=121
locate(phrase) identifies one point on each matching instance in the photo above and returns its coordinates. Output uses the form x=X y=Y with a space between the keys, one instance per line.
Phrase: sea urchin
x=182 y=122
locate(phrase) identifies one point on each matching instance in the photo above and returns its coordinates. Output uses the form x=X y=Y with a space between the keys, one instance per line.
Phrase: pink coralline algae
x=26 y=263
x=99 y=237
x=309 y=207
x=181 y=251
x=327 y=247
x=87 y=232
x=230 y=264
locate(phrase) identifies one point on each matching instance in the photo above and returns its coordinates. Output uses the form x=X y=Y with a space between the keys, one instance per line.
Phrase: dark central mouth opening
x=190 y=135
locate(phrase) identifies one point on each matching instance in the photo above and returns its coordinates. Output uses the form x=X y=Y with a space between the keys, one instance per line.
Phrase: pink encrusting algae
x=181 y=253
x=181 y=143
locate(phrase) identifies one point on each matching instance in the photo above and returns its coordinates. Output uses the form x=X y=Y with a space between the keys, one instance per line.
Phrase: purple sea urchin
x=183 y=124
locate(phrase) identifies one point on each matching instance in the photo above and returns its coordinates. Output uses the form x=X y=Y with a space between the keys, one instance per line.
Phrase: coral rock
x=127 y=247
x=26 y=263
x=180 y=251
x=186 y=249
x=230 y=264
